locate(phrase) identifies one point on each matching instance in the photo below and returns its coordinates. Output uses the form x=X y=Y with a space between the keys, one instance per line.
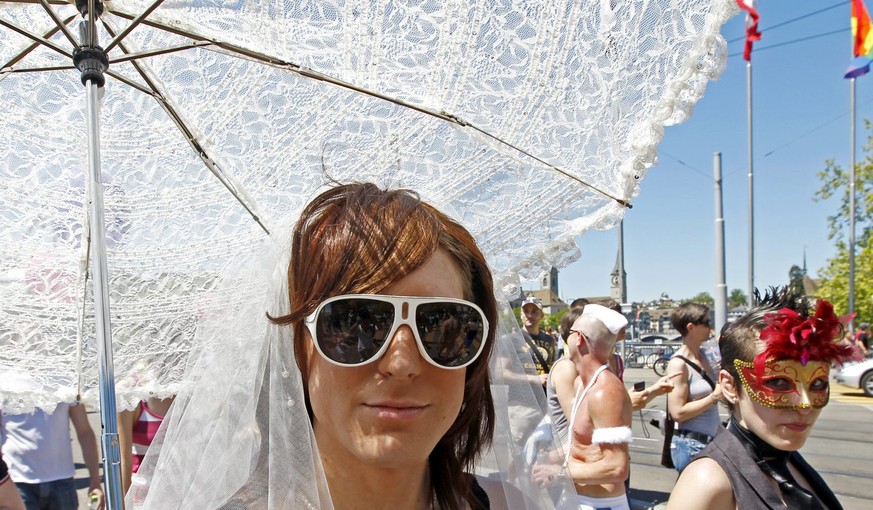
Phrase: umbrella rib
x=189 y=136
x=10 y=70
x=26 y=51
x=144 y=54
x=129 y=83
x=309 y=73
x=561 y=171
x=62 y=26
x=35 y=38
x=133 y=24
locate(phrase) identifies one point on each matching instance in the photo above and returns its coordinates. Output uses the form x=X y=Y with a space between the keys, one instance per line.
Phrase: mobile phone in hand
x=639 y=386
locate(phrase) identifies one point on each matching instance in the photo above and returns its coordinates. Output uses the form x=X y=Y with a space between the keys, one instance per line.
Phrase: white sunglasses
x=355 y=329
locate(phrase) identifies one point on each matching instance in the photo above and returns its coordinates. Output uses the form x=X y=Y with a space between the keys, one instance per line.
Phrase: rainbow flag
x=862 y=31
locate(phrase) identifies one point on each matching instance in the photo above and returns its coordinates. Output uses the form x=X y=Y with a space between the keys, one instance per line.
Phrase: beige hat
x=613 y=320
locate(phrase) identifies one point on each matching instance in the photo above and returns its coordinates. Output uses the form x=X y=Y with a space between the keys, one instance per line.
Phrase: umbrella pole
x=91 y=60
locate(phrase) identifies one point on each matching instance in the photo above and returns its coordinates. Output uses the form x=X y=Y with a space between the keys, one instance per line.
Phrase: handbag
x=669 y=426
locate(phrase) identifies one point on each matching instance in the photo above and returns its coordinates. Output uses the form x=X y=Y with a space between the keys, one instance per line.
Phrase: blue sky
x=801 y=119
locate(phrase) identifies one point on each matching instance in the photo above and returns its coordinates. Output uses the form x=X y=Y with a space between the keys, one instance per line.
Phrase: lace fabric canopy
x=533 y=122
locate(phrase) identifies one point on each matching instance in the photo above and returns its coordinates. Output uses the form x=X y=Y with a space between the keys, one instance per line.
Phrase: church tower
x=550 y=281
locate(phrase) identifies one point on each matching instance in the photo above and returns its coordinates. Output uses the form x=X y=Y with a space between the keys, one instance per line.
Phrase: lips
x=796 y=426
x=395 y=410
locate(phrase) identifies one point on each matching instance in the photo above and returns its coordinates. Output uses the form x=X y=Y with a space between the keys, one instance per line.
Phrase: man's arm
x=90 y=454
x=609 y=407
x=9 y=497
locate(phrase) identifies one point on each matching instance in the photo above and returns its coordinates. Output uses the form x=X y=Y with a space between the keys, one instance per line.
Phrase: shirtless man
x=597 y=460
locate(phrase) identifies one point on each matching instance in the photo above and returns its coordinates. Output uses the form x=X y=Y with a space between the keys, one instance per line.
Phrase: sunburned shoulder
x=608 y=386
x=702 y=485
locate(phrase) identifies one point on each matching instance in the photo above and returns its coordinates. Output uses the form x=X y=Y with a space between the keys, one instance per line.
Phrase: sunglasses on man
x=355 y=329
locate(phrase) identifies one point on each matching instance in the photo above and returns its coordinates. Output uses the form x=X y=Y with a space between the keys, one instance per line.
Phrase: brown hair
x=567 y=321
x=694 y=313
x=360 y=239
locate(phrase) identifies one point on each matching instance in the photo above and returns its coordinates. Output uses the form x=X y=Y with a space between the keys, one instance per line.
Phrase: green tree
x=835 y=281
x=703 y=298
x=737 y=298
x=553 y=320
x=834 y=285
x=835 y=183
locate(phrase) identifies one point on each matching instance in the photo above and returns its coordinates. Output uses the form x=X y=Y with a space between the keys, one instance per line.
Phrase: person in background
x=774 y=374
x=541 y=345
x=693 y=401
x=136 y=430
x=863 y=335
x=38 y=448
x=599 y=429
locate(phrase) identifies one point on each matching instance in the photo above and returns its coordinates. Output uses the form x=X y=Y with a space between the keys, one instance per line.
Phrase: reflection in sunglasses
x=356 y=329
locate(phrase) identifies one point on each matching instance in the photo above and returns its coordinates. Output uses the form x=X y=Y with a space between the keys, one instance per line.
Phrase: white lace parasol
x=528 y=121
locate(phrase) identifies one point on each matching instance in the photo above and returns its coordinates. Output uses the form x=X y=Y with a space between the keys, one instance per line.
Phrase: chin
x=390 y=452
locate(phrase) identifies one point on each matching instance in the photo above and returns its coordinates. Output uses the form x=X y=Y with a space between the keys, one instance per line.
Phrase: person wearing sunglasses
x=774 y=370
x=693 y=401
x=372 y=388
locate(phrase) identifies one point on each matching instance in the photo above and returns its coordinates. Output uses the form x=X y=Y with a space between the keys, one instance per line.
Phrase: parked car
x=662 y=338
x=858 y=375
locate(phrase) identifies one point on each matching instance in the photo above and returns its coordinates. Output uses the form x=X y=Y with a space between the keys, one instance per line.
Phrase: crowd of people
x=404 y=419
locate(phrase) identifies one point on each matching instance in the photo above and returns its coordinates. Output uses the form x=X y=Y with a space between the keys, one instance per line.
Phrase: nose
x=402 y=359
x=805 y=400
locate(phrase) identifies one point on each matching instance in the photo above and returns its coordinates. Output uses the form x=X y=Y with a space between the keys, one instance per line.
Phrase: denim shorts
x=54 y=495
x=683 y=450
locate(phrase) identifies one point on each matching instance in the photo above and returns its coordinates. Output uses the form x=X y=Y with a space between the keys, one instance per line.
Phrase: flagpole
x=852 y=208
x=751 y=188
x=720 y=274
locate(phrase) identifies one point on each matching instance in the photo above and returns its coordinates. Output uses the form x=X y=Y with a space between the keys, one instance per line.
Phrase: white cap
x=613 y=320
x=532 y=301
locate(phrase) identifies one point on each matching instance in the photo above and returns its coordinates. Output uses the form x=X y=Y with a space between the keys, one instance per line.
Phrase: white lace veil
x=238 y=435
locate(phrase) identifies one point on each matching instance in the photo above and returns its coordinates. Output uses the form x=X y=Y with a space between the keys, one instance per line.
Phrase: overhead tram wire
x=787 y=22
x=794 y=41
x=799 y=137
x=686 y=165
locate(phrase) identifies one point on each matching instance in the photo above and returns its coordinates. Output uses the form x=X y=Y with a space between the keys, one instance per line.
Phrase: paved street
x=841 y=448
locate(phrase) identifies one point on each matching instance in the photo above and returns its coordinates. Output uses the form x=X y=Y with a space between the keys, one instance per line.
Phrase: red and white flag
x=752 y=33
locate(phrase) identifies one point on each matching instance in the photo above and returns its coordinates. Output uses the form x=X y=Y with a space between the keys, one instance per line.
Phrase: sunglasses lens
x=452 y=333
x=351 y=331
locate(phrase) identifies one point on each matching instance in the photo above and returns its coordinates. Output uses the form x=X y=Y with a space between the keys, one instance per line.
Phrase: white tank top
x=38 y=447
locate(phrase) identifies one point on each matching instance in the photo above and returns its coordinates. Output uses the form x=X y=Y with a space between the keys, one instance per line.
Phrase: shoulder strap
x=577 y=403
x=697 y=369
x=535 y=351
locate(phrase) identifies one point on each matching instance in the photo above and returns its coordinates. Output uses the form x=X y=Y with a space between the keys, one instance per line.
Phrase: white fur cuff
x=612 y=435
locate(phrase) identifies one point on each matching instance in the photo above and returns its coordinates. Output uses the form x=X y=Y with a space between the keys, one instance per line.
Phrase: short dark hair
x=610 y=303
x=694 y=313
x=567 y=321
x=579 y=303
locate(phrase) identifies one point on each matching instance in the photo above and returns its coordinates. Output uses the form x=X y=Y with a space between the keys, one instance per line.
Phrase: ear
x=582 y=345
x=729 y=386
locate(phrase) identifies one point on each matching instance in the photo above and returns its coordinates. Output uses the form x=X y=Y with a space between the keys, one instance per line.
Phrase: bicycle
x=659 y=361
